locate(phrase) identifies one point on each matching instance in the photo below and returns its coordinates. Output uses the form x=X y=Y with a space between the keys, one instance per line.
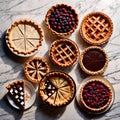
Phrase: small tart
x=61 y=20
x=96 y=28
x=24 y=37
x=35 y=69
x=95 y=95
x=93 y=60
x=57 y=89
x=64 y=52
x=16 y=92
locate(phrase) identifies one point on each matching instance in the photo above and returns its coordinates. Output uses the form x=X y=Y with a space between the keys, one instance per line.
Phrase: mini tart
x=35 y=69
x=57 y=89
x=95 y=95
x=61 y=20
x=64 y=52
x=24 y=37
x=16 y=92
x=93 y=60
x=96 y=28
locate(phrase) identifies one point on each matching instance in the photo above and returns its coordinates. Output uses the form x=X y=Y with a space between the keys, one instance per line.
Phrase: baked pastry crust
x=91 y=72
x=104 y=105
x=64 y=52
x=96 y=28
x=74 y=14
x=35 y=69
x=16 y=92
x=24 y=37
x=57 y=89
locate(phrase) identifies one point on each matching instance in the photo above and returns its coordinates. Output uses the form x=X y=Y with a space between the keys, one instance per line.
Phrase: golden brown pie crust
x=27 y=23
x=64 y=52
x=35 y=69
x=95 y=109
x=96 y=28
x=63 y=85
x=55 y=32
x=89 y=71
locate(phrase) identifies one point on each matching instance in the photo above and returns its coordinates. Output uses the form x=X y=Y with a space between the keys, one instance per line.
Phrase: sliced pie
x=95 y=95
x=93 y=60
x=35 y=69
x=96 y=28
x=62 y=19
x=16 y=92
x=24 y=37
x=64 y=52
x=57 y=89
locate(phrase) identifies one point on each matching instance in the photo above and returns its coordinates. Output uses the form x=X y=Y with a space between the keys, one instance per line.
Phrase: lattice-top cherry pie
x=24 y=37
x=64 y=52
x=96 y=28
x=62 y=19
x=35 y=69
x=57 y=89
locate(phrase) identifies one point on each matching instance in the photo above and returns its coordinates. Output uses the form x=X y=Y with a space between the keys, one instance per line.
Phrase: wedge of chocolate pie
x=93 y=60
x=24 y=37
x=64 y=52
x=96 y=28
x=16 y=92
x=35 y=69
x=57 y=89
x=62 y=19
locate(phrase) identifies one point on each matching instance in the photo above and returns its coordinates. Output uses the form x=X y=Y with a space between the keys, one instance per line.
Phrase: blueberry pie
x=16 y=92
x=93 y=60
x=57 y=89
x=62 y=19
x=96 y=28
x=95 y=95
x=64 y=52
x=24 y=37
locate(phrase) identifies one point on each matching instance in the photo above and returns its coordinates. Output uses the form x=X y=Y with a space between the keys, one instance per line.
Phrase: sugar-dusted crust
x=63 y=89
x=35 y=69
x=97 y=25
x=29 y=32
x=65 y=50
x=89 y=71
x=95 y=109
x=55 y=32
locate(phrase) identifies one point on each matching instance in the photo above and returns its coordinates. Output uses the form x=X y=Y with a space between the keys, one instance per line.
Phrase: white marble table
x=11 y=67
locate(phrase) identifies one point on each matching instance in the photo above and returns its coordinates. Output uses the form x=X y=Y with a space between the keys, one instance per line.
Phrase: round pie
x=95 y=95
x=35 y=69
x=62 y=19
x=96 y=28
x=57 y=89
x=93 y=60
x=24 y=37
x=64 y=52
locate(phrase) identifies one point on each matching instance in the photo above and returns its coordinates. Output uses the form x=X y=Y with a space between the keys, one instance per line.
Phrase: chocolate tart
x=61 y=19
x=64 y=52
x=93 y=60
x=24 y=37
x=96 y=28
x=16 y=92
x=57 y=89
x=35 y=69
x=96 y=95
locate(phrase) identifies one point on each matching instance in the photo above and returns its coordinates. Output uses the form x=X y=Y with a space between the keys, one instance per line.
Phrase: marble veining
x=11 y=66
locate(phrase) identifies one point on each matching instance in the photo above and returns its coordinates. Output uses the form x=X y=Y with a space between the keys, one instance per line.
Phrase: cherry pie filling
x=62 y=19
x=96 y=94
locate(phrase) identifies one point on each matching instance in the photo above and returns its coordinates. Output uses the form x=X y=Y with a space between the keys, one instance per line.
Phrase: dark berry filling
x=96 y=94
x=62 y=19
x=94 y=60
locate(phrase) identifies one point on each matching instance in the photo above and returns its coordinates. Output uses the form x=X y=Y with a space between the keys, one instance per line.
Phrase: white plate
x=83 y=82
x=30 y=90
